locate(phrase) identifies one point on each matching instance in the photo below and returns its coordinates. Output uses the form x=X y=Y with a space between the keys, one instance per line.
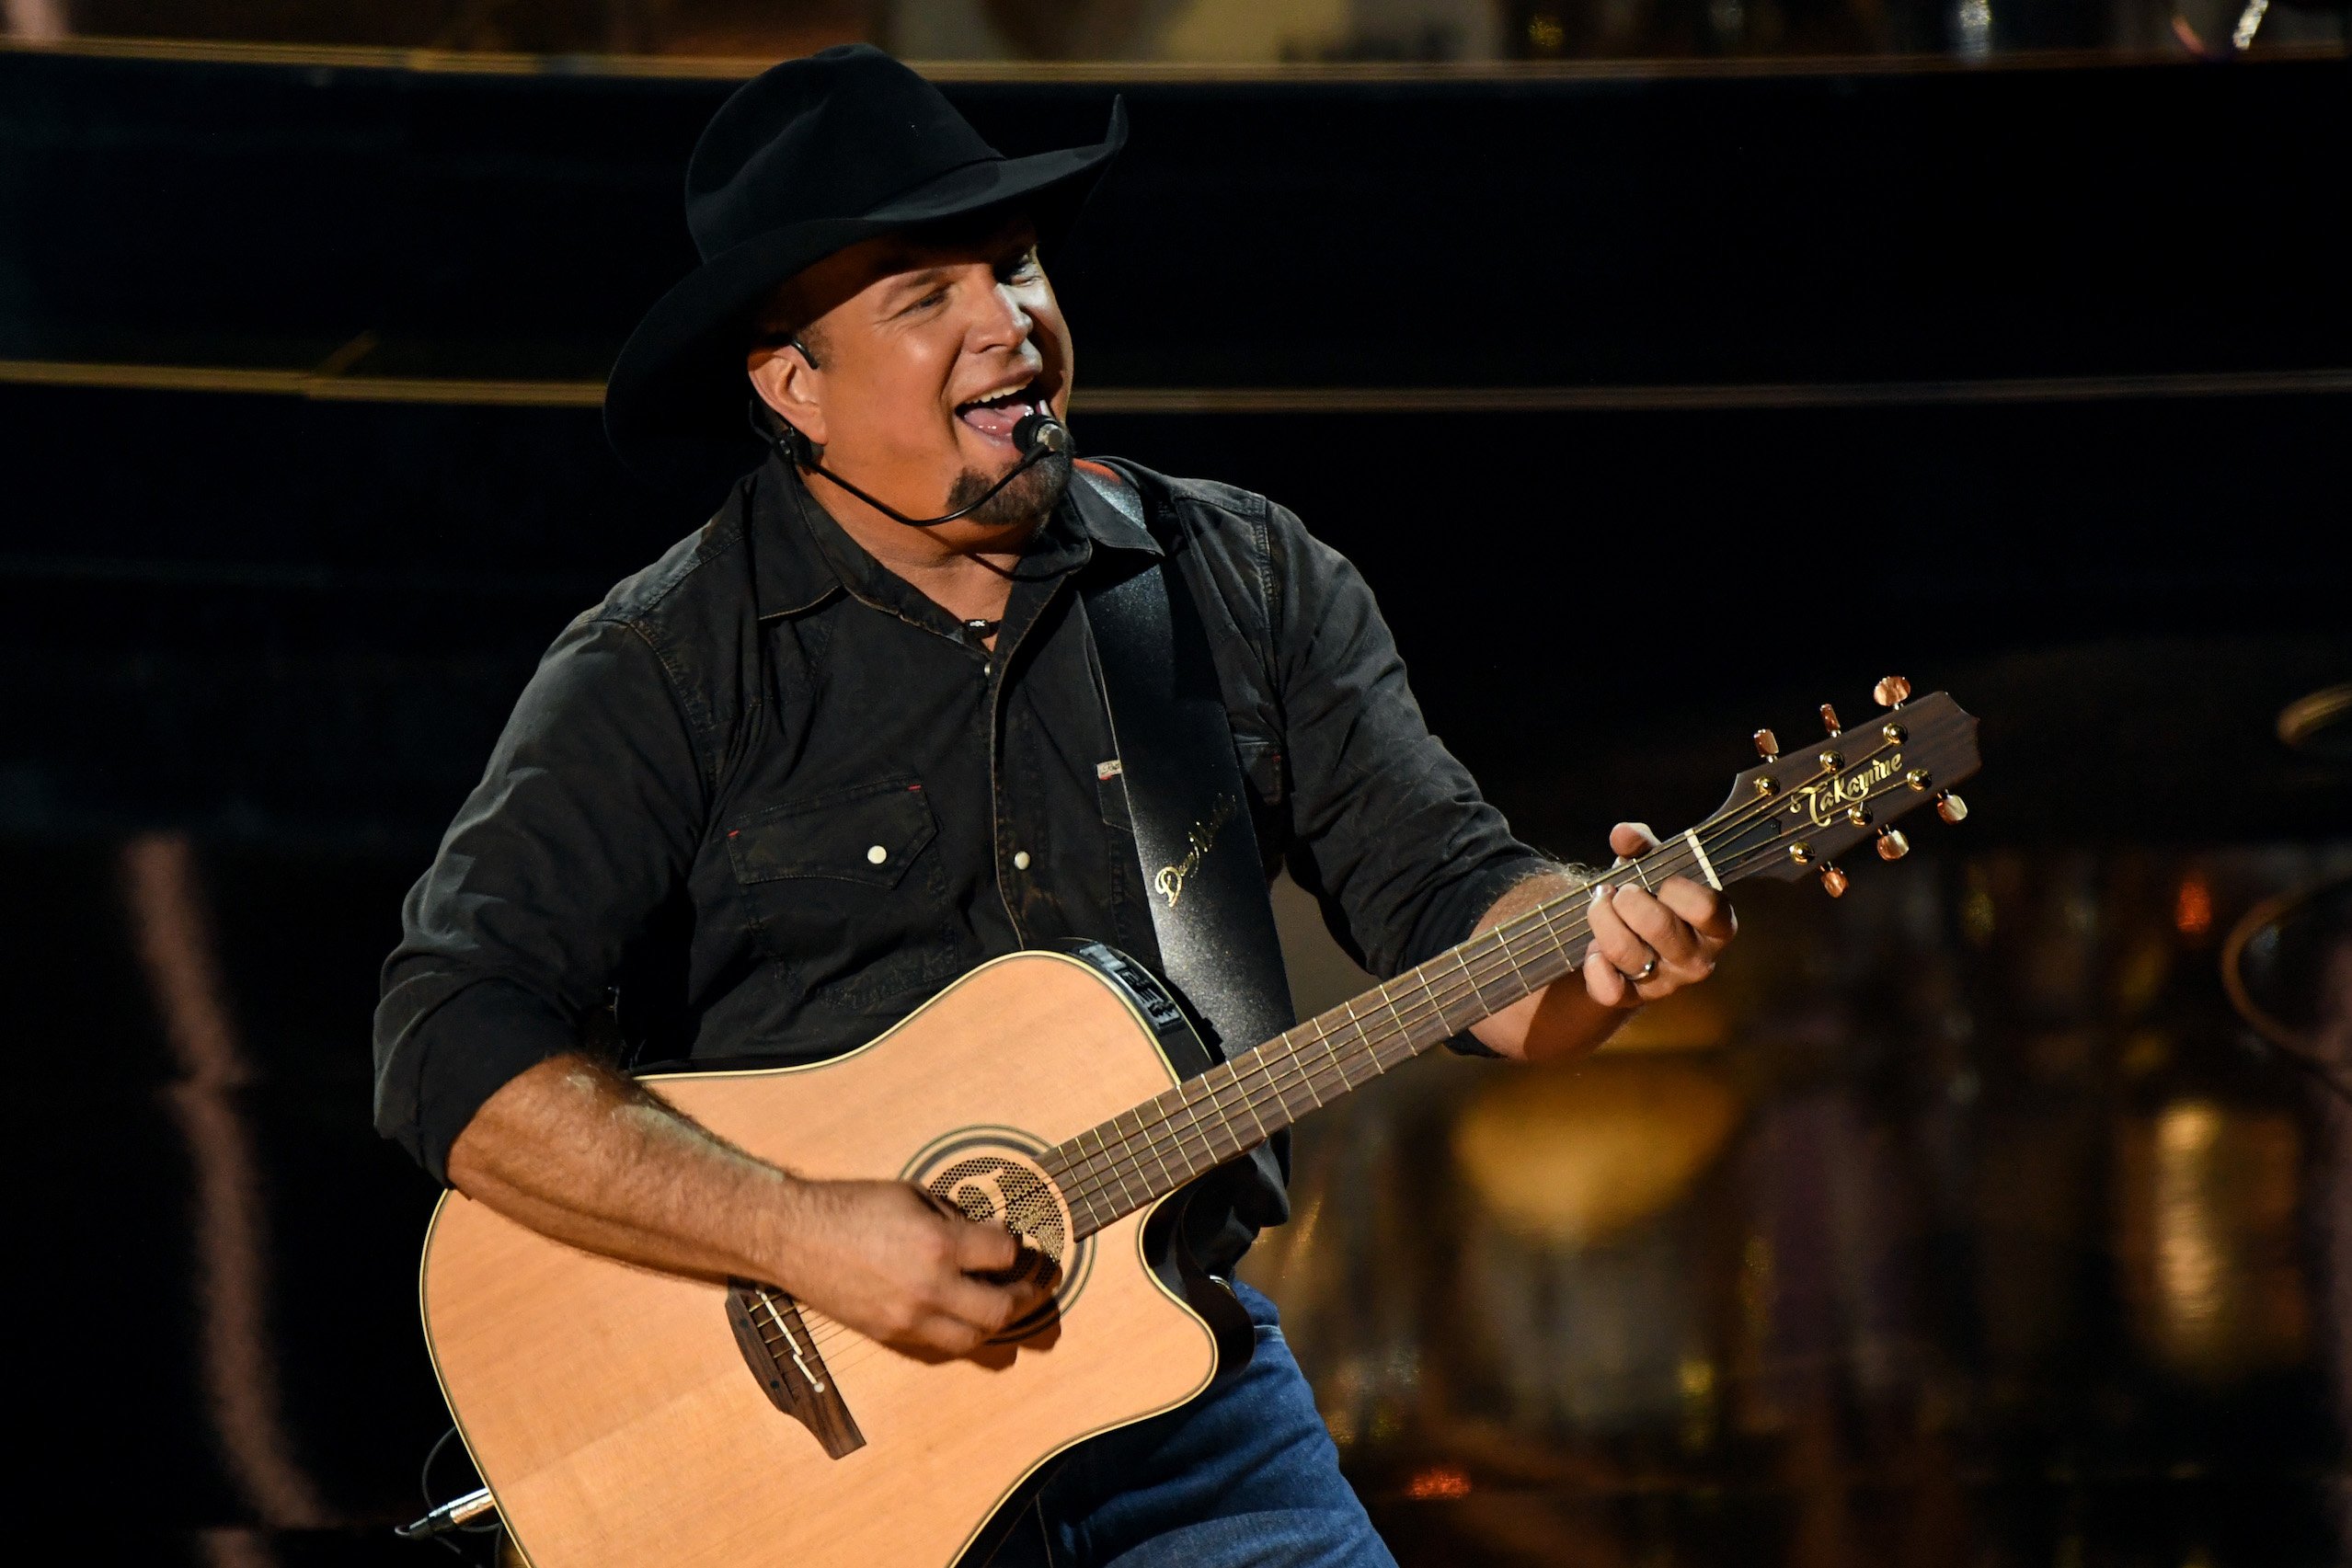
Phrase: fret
x=1192 y=1119
x=1365 y=1038
x=1362 y=1042
x=1510 y=947
x=1306 y=1069
x=1567 y=942
x=1559 y=944
x=1404 y=1031
x=1324 y=1037
x=1111 y=1166
x=1216 y=1080
x=1476 y=988
x=1169 y=1135
x=1445 y=1019
x=1151 y=1147
x=1288 y=1066
x=1128 y=1146
x=1249 y=1099
x=1163 y=1137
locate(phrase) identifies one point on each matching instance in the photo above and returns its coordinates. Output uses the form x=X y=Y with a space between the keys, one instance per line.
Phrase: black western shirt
x=767 y=799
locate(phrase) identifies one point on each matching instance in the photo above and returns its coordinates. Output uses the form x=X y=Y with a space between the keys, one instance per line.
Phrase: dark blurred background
x=1668 y=366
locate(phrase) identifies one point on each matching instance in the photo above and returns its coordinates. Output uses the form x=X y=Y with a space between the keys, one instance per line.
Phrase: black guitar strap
x=1218 y=950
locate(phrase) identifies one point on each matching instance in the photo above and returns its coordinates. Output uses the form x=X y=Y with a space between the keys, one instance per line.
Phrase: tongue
x=995 y=419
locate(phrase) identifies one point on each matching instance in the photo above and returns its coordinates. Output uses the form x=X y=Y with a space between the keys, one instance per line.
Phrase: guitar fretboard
x=1142 y=1154
x=1782 y=820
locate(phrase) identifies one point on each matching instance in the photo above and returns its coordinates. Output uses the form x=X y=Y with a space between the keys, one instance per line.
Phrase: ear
x=789 y=385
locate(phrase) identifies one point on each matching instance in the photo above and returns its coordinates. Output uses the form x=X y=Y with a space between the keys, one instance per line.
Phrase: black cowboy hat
x=806 y=159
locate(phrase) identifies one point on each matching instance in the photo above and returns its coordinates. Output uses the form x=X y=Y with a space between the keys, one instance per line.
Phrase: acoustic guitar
x=625 y=1418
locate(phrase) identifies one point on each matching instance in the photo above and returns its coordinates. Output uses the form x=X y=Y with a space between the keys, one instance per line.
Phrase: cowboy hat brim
x=674 y=404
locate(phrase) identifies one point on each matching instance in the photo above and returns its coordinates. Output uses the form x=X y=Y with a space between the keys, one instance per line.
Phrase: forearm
x=577 y=1151
x=1562 y=1020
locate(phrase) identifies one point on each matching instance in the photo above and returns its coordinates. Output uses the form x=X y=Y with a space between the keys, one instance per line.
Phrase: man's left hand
x=1647 y=946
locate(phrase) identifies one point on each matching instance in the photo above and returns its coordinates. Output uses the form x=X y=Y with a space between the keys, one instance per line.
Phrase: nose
x=1000 y=321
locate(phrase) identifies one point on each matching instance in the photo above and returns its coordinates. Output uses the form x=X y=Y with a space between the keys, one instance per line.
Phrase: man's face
x=927 y=351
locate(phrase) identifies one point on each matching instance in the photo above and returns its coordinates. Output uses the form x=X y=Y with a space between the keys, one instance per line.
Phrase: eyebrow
x=902 y=283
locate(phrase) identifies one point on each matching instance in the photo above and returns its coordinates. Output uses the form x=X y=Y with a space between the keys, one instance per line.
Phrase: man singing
x=920 y=708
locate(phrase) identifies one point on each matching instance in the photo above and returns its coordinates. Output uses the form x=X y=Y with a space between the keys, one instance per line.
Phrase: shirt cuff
x=1471 y=898
x=466 y=1051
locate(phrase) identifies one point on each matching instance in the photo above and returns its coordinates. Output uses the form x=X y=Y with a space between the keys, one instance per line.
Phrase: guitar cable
x=443 y=1520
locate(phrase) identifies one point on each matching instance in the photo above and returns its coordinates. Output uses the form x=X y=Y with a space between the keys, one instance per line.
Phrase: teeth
x=998 y=399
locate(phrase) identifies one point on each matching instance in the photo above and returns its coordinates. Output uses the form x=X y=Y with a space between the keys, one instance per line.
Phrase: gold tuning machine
x=1951 y=807
x=1830 y=720
x=1892 y=845
x=1767 y=746
x=1891 y=692
x=1833 y=881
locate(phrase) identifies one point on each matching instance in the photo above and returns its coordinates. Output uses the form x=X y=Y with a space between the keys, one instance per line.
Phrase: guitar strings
x=1117 y=1159
x=1495 y=962
x=1095 y=1173
x=1089 y=1177
x=1075 y=1193
x=1127 y=1153
x=1124 y=1154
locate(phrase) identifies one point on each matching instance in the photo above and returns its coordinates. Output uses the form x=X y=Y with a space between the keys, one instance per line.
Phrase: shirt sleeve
x=585 y=823
x=1389 y=831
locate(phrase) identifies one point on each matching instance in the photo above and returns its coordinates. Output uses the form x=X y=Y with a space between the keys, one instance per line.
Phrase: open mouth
x=995 y=415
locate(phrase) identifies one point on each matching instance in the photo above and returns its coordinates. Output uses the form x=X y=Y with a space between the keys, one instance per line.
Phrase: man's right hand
x=578 y=1153
x=879 y=1258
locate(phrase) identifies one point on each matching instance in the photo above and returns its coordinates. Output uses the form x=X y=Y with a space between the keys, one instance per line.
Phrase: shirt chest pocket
x=872 y=834
x=846 y=891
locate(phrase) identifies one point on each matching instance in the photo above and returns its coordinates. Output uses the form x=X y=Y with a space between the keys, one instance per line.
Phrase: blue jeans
x=1243 y=1477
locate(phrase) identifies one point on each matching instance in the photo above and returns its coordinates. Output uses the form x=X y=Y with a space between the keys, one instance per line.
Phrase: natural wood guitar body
x=616 y=1418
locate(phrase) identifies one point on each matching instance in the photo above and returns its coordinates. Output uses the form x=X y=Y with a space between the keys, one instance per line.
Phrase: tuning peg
x=1830 y=720
x=1892 y=845
x=1833 y=881
x=1891 y=692
x=1767 y=746
x=1951 y=807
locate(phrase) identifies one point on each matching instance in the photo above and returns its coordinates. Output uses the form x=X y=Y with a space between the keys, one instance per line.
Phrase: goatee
x=1026 y=499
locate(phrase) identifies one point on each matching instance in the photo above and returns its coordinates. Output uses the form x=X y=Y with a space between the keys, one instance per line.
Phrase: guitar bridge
x=783 y=1356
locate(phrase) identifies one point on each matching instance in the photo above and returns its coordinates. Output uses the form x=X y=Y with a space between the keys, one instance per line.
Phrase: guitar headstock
x=1794 y=813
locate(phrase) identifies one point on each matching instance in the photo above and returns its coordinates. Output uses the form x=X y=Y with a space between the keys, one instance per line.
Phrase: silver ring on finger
x=1646 y=971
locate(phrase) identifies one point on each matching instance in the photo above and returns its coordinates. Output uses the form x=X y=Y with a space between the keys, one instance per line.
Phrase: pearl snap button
x=1020 y=860
x=878 y=854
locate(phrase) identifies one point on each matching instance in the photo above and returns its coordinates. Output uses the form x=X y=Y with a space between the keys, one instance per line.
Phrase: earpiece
x=781 y=435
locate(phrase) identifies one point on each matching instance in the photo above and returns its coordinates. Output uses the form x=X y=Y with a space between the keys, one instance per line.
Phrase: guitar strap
x=1219 y=952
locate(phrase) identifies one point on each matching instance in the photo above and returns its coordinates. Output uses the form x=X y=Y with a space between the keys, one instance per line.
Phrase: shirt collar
x=1115 y=524
x=804 y=557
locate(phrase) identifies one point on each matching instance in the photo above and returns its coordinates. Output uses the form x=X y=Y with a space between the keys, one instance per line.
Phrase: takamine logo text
x=1830 y=798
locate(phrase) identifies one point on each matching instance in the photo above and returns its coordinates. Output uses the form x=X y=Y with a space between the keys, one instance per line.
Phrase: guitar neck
x=1782 y=820
x=1140 y=1156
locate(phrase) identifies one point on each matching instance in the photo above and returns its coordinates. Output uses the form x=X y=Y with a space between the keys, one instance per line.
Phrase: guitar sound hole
x=989 y=1189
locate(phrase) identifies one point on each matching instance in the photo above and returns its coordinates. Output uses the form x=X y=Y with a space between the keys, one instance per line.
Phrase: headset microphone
x=1037 y=435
